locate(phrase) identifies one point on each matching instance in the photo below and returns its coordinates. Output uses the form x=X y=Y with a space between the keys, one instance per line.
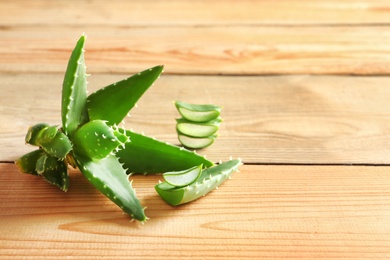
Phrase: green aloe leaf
x=108 y=176
x=53 y=171
x=112 y=103
x=96 y=139
x=27 y=163
x=74 y=91
x=144 y=154
x=34 y=132
x=54 y=142
x=50 y=139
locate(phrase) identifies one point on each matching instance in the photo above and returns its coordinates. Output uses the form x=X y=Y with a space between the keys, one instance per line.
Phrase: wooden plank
x=166 y=13
x=264 y=211
x=274 y=119
x=239 y=50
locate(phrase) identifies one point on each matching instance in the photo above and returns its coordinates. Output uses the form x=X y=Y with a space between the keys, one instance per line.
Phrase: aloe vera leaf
x=108 y=176
x=74 y=91
x=34 y=132
x=49 y=133
x=183 y=178
x=144 y=154
x=190 y=128
x=27 y=163
x=196 y=142
x=96 y=139
x=58 y=147
x=112 y=103
x=198 y=112
x=40 y=166
x=210 y=179
x=52 y=141
x=222 y=168
x=53 y=171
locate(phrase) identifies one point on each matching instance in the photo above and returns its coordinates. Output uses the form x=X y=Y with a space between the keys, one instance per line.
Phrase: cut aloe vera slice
x=198 y=129
x=209 y=180
x=198 y=113
x=183 y=178
x=195 y=142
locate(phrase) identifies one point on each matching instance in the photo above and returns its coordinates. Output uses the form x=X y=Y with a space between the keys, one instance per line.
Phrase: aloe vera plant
x=90 y=139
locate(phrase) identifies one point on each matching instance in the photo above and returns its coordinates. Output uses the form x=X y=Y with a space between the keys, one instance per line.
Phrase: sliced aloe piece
x=198 y=113
x=205 y=129
x=209 y=179
x=183 y=178
x=144 y=154
x=74 y=91
x=195 y=142
x=112 y=103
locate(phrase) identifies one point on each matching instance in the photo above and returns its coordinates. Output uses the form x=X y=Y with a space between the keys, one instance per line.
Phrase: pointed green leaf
x=34 y=132
x=108 y=176
x=74 y=91
x=59 y=146
x=53 y=171
x=113 y=103
x=50 y=139
x=144 y=154
x=50 y=132
x=27 y=162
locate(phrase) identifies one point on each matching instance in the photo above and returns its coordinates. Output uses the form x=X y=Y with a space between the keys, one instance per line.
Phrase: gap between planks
x=277 y=120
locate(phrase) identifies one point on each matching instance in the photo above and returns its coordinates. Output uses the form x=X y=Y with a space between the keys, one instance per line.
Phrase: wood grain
x=272 y=65
x=193 y=13
x=275 y=119
x=264 y=211
x=237 y=50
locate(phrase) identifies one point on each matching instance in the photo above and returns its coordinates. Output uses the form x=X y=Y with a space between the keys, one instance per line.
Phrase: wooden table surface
x=305 y=90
